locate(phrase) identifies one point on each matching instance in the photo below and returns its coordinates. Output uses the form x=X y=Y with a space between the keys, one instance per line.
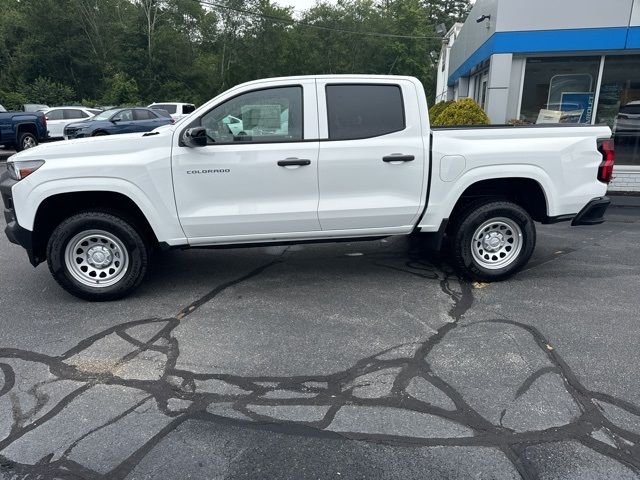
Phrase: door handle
x=290 y=162
x=398 y=157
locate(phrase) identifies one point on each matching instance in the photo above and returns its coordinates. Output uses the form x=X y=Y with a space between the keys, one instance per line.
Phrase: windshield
x=106 y=115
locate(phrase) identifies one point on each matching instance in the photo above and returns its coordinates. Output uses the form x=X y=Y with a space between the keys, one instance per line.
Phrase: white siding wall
x=625 y=179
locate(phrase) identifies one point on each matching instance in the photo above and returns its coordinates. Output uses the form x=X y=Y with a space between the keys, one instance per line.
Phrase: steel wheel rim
x=96 y=258
x=496 y=243
x=28 y=142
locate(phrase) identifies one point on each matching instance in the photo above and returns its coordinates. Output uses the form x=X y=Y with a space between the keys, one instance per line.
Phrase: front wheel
x=494 y=240
x=97 y=256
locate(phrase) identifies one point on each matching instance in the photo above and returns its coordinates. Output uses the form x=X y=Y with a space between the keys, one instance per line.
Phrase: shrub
x=515 y=121
x=437 y=109
x=12 y=100
x=462 y=112
x=45 y=90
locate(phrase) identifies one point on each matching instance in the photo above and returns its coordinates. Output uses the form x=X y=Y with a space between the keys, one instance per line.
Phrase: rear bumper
x=593 y=212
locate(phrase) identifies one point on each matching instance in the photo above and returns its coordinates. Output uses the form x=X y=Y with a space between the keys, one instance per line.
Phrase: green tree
x=121 y=90
x=45 y=90
x=189 y=50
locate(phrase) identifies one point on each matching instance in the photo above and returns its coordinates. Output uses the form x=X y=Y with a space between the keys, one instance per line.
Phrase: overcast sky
x=298 y=5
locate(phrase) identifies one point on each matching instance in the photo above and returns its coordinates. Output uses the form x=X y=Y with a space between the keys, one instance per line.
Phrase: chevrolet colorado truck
x=301 y=159
x=22 y=130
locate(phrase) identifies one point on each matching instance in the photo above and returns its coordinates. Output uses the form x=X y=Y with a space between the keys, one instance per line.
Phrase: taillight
x=607 y=150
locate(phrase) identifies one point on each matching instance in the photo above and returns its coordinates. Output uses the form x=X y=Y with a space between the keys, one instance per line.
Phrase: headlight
x=20 y=169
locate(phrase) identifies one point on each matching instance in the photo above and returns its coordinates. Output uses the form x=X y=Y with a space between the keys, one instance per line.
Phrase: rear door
x=145 y=120
x=372 y=155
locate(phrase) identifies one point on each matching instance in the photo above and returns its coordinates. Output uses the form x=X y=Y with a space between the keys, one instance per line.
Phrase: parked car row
x=59 y=117
x=118 y=120
x=36 y=122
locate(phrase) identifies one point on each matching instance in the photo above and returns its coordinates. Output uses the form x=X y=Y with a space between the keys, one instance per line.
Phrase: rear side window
x=72 y=114
x=188 y=109
x=364 y=111
x=55 y=115
x=139 y=114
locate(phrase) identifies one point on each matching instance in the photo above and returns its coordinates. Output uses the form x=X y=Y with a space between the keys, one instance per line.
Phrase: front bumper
x=15 y=233
x=593 y=212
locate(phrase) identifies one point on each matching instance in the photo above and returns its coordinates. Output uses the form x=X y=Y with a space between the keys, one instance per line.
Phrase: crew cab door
x=372 y=164
x=257 y=176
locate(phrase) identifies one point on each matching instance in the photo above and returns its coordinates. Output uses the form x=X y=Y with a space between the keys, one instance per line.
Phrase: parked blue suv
x=118 y=120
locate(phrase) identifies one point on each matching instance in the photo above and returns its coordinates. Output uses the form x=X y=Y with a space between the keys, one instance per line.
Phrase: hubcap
x=496 y=243
x=28 y=142
x=96 y=258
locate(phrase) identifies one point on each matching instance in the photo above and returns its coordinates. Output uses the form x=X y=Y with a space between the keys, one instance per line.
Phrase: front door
x=257 y=176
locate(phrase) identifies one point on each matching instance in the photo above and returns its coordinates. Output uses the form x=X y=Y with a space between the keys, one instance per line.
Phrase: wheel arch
x=521 y=190
x=26 y=127
x=59 y=206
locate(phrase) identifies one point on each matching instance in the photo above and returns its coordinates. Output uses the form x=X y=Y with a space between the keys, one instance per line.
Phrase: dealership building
x=552 y=61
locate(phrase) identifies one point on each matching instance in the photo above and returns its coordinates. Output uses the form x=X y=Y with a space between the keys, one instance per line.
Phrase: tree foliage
x=126 y=51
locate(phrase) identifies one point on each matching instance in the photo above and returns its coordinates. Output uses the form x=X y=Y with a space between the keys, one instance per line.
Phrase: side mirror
x=195 y=137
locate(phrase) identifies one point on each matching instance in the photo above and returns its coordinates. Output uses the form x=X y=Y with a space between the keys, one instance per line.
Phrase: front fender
x=162 y=220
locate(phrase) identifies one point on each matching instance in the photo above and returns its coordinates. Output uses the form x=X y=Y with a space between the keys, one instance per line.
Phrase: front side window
x=167 y=107
x=364 y=111
x=271 y=115
x=123 y=116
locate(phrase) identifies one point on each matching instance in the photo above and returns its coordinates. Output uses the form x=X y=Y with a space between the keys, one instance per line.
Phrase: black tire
x=26 y=140
x=123 y=230
x=471 y=219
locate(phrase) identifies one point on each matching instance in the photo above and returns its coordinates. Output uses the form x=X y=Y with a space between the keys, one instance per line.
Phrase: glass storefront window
x=619 y=105
x=559 y=89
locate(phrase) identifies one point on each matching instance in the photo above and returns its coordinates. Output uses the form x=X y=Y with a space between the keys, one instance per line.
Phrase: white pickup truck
x=319 y=158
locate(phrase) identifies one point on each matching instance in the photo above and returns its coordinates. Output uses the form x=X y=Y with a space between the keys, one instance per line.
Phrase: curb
x=624 y=200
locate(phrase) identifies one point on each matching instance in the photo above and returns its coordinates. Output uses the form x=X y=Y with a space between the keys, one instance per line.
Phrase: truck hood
x=107 y=144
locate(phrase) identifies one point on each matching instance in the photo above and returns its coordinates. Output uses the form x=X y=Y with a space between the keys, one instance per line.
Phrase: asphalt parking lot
x=358 y=360
x=5 y=153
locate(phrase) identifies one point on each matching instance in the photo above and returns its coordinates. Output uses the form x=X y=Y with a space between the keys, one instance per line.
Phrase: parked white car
x=356 y=158
x=60 y=117
x=176 y=110
x=2 y=109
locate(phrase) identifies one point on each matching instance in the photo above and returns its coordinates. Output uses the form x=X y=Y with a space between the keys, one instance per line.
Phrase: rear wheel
x=97 y=256
x=26 y=140
x=494 y=240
